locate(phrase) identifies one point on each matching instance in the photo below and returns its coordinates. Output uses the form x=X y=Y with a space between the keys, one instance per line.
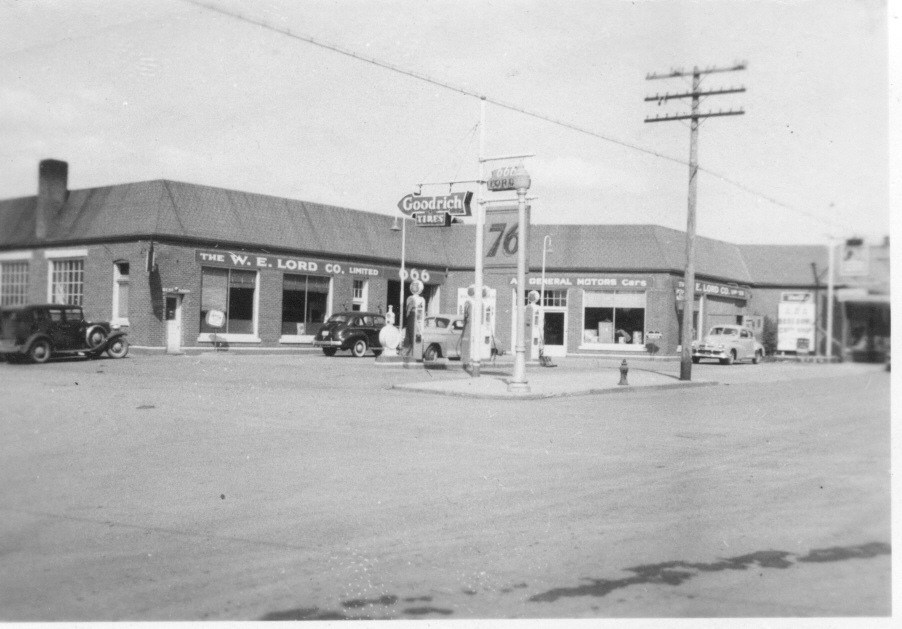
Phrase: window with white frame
x=67 y=281
x=613 y=317
x=555 y=298
x=120 y=292
x=360 y=295
x=13 y=283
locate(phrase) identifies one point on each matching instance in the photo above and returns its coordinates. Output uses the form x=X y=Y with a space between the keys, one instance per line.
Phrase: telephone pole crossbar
x=666 y=97
x=678 y=72
x=695 y=94
x=710 y=114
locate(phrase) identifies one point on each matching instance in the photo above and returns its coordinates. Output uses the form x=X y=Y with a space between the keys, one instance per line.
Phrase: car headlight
x=721 y=346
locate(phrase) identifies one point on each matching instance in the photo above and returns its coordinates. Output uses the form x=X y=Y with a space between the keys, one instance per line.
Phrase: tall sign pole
x=477 y=316
x=521 y=182
x=694 y=117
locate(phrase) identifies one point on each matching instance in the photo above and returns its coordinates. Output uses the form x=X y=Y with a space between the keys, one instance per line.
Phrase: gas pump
x=486 y=341
x=534 y=325
x=415 y=320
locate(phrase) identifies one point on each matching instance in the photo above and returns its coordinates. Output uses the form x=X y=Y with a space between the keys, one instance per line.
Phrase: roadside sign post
x=435 y=211
x=516 y=178
x=518 y=382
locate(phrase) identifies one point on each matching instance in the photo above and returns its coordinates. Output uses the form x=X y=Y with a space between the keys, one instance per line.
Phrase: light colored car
x=441 y=336
x=728 y=343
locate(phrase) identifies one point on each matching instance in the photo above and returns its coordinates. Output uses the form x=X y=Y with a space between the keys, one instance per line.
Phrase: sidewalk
x=549 y=382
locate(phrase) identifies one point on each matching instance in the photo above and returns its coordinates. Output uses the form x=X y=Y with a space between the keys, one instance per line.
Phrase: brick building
x=156 y=256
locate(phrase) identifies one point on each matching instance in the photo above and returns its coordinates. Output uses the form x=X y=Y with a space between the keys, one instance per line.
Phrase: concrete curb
x=415 y=388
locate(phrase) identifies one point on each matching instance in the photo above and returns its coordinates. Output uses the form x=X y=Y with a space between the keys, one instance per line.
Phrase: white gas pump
x=466 y=305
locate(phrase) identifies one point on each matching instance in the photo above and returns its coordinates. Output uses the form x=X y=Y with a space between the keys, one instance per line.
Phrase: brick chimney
x=53 y=189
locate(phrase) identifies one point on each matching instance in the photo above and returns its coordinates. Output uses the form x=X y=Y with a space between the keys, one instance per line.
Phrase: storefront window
x=233 y=292
x=612 y=317
x=305 y=300
x=360 y=295
x=67 y=282
x=13 y=283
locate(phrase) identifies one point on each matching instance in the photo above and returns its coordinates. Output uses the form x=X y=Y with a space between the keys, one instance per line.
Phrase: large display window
x=305 y=304
x=233 y=292
x=613 y=319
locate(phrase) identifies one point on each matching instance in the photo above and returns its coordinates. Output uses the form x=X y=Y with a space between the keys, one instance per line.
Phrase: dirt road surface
x=229 y=487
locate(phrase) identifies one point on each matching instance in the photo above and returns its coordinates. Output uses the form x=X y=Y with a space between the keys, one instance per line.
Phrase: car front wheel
x=39 y=351
x=96 y=337
x=118 y=348
x=729 y=359
x=329 y=351
x=431 y=353
x=359 y=348
x=757 y=358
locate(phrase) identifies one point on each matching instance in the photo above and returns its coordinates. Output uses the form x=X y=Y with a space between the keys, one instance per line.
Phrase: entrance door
x=173 y=324
x=555 y=330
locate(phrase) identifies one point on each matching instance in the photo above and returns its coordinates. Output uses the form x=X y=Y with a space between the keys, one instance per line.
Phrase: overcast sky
x=129 y=90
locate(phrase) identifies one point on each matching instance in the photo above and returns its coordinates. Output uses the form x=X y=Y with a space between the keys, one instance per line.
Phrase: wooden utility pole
x=694 y=117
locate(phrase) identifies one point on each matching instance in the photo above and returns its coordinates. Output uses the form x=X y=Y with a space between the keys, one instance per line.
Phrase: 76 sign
x=501 y=239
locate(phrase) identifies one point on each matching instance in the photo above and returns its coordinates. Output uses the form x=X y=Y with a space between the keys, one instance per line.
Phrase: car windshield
x=339 y=318
x=724 y=331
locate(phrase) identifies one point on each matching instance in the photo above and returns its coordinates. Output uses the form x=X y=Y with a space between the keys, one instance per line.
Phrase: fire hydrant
x=624 y=369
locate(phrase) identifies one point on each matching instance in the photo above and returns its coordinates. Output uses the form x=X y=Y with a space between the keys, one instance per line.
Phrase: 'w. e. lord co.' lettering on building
x=280 y=263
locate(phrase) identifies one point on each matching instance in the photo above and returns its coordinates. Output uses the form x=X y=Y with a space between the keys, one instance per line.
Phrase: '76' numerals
x=509 y=240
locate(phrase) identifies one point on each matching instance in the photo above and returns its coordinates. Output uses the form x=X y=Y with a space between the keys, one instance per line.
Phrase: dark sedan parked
x=38 y=332
x=354 y=331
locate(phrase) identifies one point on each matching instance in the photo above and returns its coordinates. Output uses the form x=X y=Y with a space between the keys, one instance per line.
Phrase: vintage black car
x=355 y=331
x=37 y=332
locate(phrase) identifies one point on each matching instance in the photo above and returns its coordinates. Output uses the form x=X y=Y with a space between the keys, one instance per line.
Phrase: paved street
x=223 y=486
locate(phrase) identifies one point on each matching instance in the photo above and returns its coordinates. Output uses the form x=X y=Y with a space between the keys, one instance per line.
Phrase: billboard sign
x=854 y=260
x=796 y=314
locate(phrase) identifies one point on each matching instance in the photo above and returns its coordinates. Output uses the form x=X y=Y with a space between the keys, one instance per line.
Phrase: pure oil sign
x=244 y=260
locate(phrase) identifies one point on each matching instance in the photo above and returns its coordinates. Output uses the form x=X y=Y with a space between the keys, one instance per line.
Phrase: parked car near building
x=37 y=332
x=355 y=331
x=728 y=343
x=441 y=336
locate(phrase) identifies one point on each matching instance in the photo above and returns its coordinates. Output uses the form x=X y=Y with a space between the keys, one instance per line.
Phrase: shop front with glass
x=275 y=299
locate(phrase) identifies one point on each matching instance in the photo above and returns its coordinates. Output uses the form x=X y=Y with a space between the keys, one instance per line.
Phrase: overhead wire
x=499 y=103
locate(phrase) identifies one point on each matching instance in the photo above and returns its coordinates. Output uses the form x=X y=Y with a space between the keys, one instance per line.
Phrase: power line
x=423 y=77
x=515 y=108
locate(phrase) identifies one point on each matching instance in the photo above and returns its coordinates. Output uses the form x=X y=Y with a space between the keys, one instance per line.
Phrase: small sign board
x=508 y=178
x=432 y=219
x=215 y=318
x=854 y=258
